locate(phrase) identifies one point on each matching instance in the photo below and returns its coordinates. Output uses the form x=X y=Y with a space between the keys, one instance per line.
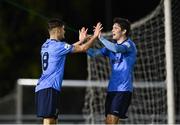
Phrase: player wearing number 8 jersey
x=53 y=55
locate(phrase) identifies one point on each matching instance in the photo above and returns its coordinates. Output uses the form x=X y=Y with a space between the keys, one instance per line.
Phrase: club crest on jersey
x=67 y=46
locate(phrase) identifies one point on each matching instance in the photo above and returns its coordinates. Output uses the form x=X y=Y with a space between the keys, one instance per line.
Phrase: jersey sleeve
x=109 y=45
x=64 y=48
x=116 y=48
x=104 y=51
x=97 y=52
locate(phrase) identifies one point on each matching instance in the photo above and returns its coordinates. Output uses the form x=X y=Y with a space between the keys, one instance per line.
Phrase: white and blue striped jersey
x=53 y=55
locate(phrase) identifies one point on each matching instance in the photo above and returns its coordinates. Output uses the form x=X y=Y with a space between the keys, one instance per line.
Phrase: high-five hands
x=84 y=37
x=97 y=30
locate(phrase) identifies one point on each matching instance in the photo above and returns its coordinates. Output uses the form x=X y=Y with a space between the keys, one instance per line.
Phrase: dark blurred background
x=23 y=31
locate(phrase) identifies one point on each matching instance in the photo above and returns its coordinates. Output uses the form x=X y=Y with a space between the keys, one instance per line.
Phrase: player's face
x=117 y=31
x=61 y=33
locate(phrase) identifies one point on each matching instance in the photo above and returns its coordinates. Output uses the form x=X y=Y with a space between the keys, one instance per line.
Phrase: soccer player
x=53 y=55
x=122 y=55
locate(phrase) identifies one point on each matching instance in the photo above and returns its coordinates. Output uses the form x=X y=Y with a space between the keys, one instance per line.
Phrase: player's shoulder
x=50 y=44
x=54 y=43
x=62 y=45
x=45 y=44
x=129 y=43
x=132 y=45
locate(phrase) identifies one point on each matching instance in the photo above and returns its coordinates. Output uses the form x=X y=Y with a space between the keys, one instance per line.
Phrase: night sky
x=105 y=11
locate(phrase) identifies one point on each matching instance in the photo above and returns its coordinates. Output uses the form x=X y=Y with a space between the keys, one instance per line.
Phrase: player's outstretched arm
x=113 y=47
x=85 y=46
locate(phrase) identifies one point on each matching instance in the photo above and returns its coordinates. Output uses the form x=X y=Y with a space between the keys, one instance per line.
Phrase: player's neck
x=54 y=37
x=122 y=39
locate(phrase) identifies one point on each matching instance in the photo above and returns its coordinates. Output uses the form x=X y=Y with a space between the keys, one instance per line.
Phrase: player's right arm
x=84 y=47
x=120 y=48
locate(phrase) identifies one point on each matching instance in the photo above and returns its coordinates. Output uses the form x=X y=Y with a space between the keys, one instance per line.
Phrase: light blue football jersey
x=122 y=65
x=53 y=56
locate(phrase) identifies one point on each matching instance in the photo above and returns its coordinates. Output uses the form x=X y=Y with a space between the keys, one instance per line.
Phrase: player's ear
x=124 y=31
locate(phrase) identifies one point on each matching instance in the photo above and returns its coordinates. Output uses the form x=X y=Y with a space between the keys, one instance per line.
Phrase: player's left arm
x=121 y=48
x=85 y=46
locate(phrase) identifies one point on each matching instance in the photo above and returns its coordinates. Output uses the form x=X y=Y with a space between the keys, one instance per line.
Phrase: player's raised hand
x=97 y=29
x=83 y=34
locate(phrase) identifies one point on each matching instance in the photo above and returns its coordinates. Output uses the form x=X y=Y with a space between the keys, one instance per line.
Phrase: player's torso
x=122 y=65
x=53 y=55
x=122 y=61
x=51 y=59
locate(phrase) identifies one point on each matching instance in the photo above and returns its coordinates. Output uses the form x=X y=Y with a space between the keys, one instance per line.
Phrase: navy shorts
x=47 y=103
x=117 y=103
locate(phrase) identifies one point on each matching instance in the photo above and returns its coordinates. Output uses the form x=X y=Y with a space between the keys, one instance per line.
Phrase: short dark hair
x=53 y=23
x=124 y=24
